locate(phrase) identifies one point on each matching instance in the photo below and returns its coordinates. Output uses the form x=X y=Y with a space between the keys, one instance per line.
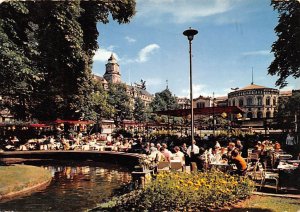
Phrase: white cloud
x=198 y=89
x=130 y=40
x=145 y=52
x=257 y=53
x=103 y=54
x=182 y=11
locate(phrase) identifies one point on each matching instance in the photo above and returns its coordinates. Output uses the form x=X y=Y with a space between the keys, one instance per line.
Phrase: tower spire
x=167 y=85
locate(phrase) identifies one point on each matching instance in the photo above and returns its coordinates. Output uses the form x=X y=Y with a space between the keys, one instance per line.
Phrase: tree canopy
x=164 y=101
x=46 y=54
x=286 y=48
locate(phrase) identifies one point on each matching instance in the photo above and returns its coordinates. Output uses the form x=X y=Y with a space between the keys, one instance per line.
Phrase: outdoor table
x=220 y=166
x=289 y=176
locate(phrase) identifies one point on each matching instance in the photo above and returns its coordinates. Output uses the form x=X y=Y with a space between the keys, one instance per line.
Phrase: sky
x=234 y=37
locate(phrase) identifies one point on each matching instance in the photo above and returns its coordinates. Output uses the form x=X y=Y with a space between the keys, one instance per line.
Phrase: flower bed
x=188 y=191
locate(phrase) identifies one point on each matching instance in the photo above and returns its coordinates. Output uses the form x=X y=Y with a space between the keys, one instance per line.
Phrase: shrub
x=189 y=191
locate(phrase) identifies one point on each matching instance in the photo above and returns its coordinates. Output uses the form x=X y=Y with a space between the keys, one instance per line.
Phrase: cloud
x=145 y=52
x=198 y=89
x=182 y=11
x=103 y=54
x=130 y=40
x=257 y=53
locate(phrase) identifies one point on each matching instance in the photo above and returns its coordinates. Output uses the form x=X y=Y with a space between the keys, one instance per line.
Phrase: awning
x=60 y=121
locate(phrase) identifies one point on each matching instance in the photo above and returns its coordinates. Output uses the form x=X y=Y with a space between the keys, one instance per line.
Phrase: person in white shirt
x=290 y=141
x=193 y=151
x=178 y=155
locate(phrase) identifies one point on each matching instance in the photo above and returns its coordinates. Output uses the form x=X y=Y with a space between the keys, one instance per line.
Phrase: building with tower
x=112 y=71
x=112 y=75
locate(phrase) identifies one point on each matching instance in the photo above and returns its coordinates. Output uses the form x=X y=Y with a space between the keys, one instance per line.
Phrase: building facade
x=112 y=75
x=256 y=101
x=112 y=71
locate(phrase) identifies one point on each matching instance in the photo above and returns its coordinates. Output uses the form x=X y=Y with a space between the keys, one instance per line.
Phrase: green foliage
x=286 y=110
x=119 y=98
x=164 y=101
x=139 y=112
x=287 y=47
x=46 y=55
x=177 y=191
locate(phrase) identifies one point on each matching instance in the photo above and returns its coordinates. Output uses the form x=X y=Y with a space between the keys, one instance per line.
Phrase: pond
x=76 y=186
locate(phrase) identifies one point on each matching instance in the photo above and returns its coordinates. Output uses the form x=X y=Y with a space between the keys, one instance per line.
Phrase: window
x=268 y=114
x=274 y=101
x=200 y=104
x=268 y=101
x=249 y=101
x=259 y=115
x=241 y=103
x=249 y=115
x=259 y=101
x=233 y=102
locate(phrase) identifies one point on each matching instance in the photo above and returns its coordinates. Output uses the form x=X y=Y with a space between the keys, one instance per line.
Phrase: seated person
x=277 y=146
x=178 y=154
x=201 y=159
x=240 y=163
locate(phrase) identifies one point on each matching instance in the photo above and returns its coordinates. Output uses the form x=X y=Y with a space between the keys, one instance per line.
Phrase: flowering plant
x=178 y=191
x=146 y=161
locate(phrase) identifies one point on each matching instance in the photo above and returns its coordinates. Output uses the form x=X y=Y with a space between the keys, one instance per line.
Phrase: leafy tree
x=139 y=111
x=19 y=74
x=286 y=111
x=101 y=107
x=46 y=53
x=120 y=102
x=287 y=47
x=164 y=101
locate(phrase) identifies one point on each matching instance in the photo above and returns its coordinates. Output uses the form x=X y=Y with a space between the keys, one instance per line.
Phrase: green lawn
x=269 y=204
x=18 y=177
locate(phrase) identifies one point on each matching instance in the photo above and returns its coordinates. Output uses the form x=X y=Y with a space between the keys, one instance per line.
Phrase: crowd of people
x=203 y=155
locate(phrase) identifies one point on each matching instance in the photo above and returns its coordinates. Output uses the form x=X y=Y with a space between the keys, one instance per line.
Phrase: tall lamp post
x=190 y=33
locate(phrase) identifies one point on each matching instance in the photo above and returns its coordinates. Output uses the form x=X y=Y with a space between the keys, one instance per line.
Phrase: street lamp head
x=190 y=33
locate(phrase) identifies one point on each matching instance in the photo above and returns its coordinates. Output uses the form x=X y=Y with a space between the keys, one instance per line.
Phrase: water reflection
x=73 y=188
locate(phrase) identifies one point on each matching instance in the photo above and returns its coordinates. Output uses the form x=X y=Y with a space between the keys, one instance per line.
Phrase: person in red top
x=240 y=163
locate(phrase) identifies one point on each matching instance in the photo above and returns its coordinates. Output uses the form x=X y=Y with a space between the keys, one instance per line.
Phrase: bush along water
x=187 y=191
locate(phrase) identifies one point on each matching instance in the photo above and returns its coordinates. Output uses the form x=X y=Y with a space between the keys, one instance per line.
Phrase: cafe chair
x=266 y=175
x=176 y=166
x=252 y=157
x=163 y=166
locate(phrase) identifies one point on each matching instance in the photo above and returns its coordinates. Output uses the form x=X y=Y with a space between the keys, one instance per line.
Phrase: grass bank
x=269 y=204
x=18 y=179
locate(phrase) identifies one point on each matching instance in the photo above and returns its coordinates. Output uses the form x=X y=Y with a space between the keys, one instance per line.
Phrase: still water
x=74 y=187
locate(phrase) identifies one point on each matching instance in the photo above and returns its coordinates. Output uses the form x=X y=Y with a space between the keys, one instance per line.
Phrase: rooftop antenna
x=167 y=85
x=252 y=77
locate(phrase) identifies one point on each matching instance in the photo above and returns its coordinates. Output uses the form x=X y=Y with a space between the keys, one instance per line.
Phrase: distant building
x=6 y=116
x=183 y=102
x=112 y=72
x=112 y=75
x=256 y=101
x=202 y=102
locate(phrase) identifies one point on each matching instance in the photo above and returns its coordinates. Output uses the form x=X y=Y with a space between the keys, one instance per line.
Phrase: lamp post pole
x=190 y=33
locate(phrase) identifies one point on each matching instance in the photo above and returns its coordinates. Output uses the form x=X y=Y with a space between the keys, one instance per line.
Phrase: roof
x=100 y=79
x=285 y=93
x=252 y=86
x=221 y=98
x=202 y=111
x=141 y=91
